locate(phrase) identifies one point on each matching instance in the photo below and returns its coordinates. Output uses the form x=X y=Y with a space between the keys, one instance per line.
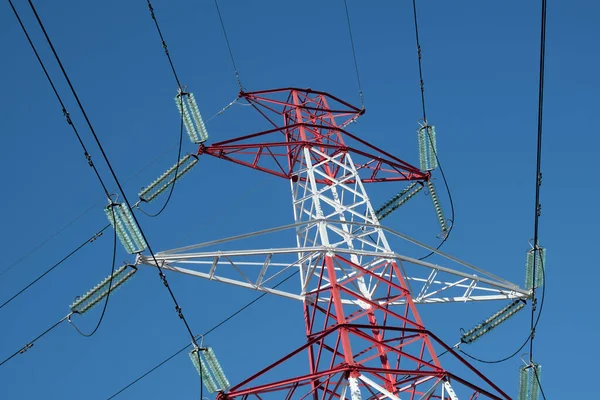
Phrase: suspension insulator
x=192 y=119
x=215 y=369
x=492 y=322
x=390 y=206
x=200 y=365
x=437 y=207
x=101 y=290
x=529 y=381
x=168 y=178
x=129 y=234
x=540 y=262
x=208 y=366
x=427 y=148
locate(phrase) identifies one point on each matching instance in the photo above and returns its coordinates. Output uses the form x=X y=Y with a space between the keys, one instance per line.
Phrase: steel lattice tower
x=364 y=336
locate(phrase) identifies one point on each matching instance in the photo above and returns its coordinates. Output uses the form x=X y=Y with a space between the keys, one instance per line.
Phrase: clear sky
x=481 y=70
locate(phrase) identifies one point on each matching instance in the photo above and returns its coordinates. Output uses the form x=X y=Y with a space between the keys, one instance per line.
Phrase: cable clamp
x=25 y=348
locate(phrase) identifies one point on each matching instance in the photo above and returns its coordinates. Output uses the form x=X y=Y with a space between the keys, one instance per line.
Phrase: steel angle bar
x=238 y=237
x=230 y=281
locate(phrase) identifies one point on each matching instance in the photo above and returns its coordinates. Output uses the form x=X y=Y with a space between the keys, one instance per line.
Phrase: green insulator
x=127 y=230
x=100 y=291
x=422 y=139
x=529 y=381
x=540 y=263
x=438 y=208
x=395 y=198
x=427 y=148
x=215 y=369
x=203 y=133
x=161 y=184
x=394 y=207
x=209 y=382
x=192 y=119
x=492 y=322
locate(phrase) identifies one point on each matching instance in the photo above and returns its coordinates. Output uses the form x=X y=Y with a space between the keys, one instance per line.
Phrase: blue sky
x=481 y=69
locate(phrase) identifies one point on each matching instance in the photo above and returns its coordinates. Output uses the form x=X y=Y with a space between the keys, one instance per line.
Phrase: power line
x=538 y=172
x=360 y=91
x=164 y=44
x=164 y=206
x=40 y=245
x=62 y=104
x=537 y=378
x=99 y=233
x=237 y=74
x=531 y=332
x=180 y=92
x=214 y=328
x=112 y=272
x=68 y=316
x=422 y=85
x=112 y=171
x=65 y=258
x=86 y=153
x=30 y=344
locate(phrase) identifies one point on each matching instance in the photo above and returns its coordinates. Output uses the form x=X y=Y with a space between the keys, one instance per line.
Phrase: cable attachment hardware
x=529 y=381
x=210 y=369
x=168 y=178
x=492 y=322
x=399 y=199
x=194 y=124
x=437 y=207
x=539 y=256
x=101 y=290
x=427 y=148
x=122 y=221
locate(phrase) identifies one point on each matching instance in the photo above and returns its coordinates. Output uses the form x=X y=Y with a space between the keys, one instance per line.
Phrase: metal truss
x=264 y=269
x=364 y=336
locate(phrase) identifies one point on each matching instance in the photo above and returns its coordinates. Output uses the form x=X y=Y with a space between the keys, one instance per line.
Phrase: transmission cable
x=40 y=245
x=214 y=328
x=422 y=85
x=237 y=74
x=113 y=173
x=164 y=43
x=30 y=344
x=67 y=317
x=538 y=172
x=110 y=282
x=529 y=337
x=180 y=94
x=537 y=213
x=62 y=104
x=70 y=122
x=97 y=234
x=164 y=206
x=65 y=258
x=360 y=91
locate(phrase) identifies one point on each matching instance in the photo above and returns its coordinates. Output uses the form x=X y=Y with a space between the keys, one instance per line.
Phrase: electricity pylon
x=364 y=336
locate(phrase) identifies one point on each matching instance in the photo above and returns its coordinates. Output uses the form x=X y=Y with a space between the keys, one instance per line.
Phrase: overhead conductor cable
x=113 y=174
